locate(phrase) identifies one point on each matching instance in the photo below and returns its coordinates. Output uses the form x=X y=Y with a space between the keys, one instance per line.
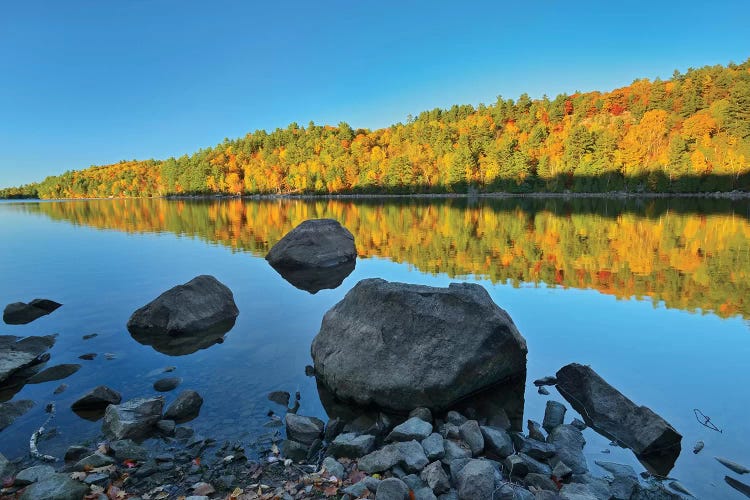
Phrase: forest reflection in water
x=690 y=254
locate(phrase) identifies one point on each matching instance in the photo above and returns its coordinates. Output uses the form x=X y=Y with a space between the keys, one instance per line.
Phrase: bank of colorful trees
x=686 y=134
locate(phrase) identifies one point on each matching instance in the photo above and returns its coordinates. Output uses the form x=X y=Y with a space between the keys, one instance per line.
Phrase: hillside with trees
x=690 y=133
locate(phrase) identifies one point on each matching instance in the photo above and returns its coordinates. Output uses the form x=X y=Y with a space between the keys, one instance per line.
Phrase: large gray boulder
x=401 y=346
x=20 y=313
x=186 y=318
x=55 y=487
x=316 y=243
x=17 y=353
x=185 y=407
x=609 y=412
x=134 y=419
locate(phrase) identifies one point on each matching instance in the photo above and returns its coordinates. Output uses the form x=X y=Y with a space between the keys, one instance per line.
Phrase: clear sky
x=95 y=82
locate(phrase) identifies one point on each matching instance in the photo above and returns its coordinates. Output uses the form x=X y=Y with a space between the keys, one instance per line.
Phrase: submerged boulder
x=401 y=346
x=57 y=372
x=186 y=318
x=17 y=353
x=610 y=413
x=20 y=313
x=314 y=243
x=315 y=279
x=11 y=410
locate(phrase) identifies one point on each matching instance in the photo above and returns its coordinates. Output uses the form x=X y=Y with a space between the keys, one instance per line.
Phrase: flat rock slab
x=134 y=419
x=11 y=410
x=17 y=353
x=610 y=413
x=55 y=487
x=316 y=243
x=57 y=372
x=20 y=313
x=186 y=318
x=400 y=346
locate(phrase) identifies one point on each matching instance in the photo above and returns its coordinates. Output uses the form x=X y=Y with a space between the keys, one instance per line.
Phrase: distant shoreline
x=731 y=195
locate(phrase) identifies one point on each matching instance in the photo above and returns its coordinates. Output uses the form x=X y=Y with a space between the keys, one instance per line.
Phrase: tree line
x=690 y=133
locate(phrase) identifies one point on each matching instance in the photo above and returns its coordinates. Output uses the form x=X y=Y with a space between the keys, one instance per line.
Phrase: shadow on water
x=181 y=344
x=313 y=280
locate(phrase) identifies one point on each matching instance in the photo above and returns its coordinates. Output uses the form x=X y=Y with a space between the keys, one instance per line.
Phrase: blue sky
x=95 y=82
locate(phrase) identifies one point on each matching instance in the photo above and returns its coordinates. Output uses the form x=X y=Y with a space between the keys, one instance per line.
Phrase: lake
x=652 y=293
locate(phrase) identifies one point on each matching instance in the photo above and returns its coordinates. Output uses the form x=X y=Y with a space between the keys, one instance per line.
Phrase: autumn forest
x=690 y=133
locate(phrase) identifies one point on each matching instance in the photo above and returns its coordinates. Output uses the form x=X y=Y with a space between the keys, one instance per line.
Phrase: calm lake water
x=653 y=294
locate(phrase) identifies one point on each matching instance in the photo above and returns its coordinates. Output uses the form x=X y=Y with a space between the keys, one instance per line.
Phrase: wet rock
x=303 y=429
x=435 y=477
x=392 y=489
x=733 y=466
x=56 y=372
x=167 y=384
x=295 y=450
x=554 y=415
x=351 y=445
x=20 y=313
x=450 y=431
x=6 y=467
x=561 y=471
x=738 y=485
x=615 y=416
x=476 y=480
x=186 y=318
x=625 y=484
x=540 y=482
x=543 y=391
x=455 y=418
x=414 y=428
x=280 y=398
x=497 y=441
x=133 y=419
x=455 y=450
x=98 y=479
x=33 y=474
x=89 y=356
x=433 y=446
x=315 y=243
x=11 y=410
x=537 y=450
x=90 y=336
x=569 y=442
x=185 y=407
x=471 y=434
x=407 y=454
x=515 y=466
x=389 y=327
x=97 y=398
x=510 y=491
x=75 y=453
x=421 y=413
x=166 y=427
x=424 y=493
x=548 y=380
x=127 y=449
x=579 y=491
x=333 y=467
x=93 y=461
x=60 y=389
x=55 y=487
x=356 y=490
x=16 y=353
x=334 y=427
x=535 y=431
x=698 y=447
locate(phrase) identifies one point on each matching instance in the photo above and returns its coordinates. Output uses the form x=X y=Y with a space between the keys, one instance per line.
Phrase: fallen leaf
x=236 y=492
x=331 y=491
x=129 y=463
x=197 y=460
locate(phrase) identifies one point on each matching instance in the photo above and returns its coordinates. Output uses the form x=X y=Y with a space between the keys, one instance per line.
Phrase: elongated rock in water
x=738 y=485
x=698 y=447
x=677 y=486
x=612 y=414
x=734 y=466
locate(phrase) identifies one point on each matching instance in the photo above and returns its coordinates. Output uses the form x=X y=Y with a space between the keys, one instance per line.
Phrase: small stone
x=93 y=461
x=539 y=481
x=351 y=445
x=698 y=447
x=55 y=486
x=127 y=449
x=294 y=450
x=561 y=471
x=422 y=413
x=203 y=488
x=60 y=389
x=166 y=427
x=435 y=477
x=433 y=446
x=392 y=489
x=98 y=479
x=88 y=356
x=167 y=384
x=75 y=453
x=303 y=429
x=97 y=398
x=497 y=441
x=333 y=467
x=455 y=418
x=535 y=431
x=569 y=443
x=471 y=434
x=554 y=415
x=578 y=424
x=334 y=427
x=414 y=428
x=548 y=380
x=280 y=398
x=90 y=336
x=543 y=391
x=476 y=480
x=408 y=454
x=185 y=407
x=454 y=450
x=450 y=431
x=538 y=450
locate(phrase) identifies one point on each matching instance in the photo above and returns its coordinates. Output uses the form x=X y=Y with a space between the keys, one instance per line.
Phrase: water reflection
x=314 y=280
x=690 y=254
x=180 y=344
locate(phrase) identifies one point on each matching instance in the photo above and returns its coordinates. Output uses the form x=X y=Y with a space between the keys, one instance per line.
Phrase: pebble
x=90 y=336
x=88 y=356
x=698 y=447
x=543 y=391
